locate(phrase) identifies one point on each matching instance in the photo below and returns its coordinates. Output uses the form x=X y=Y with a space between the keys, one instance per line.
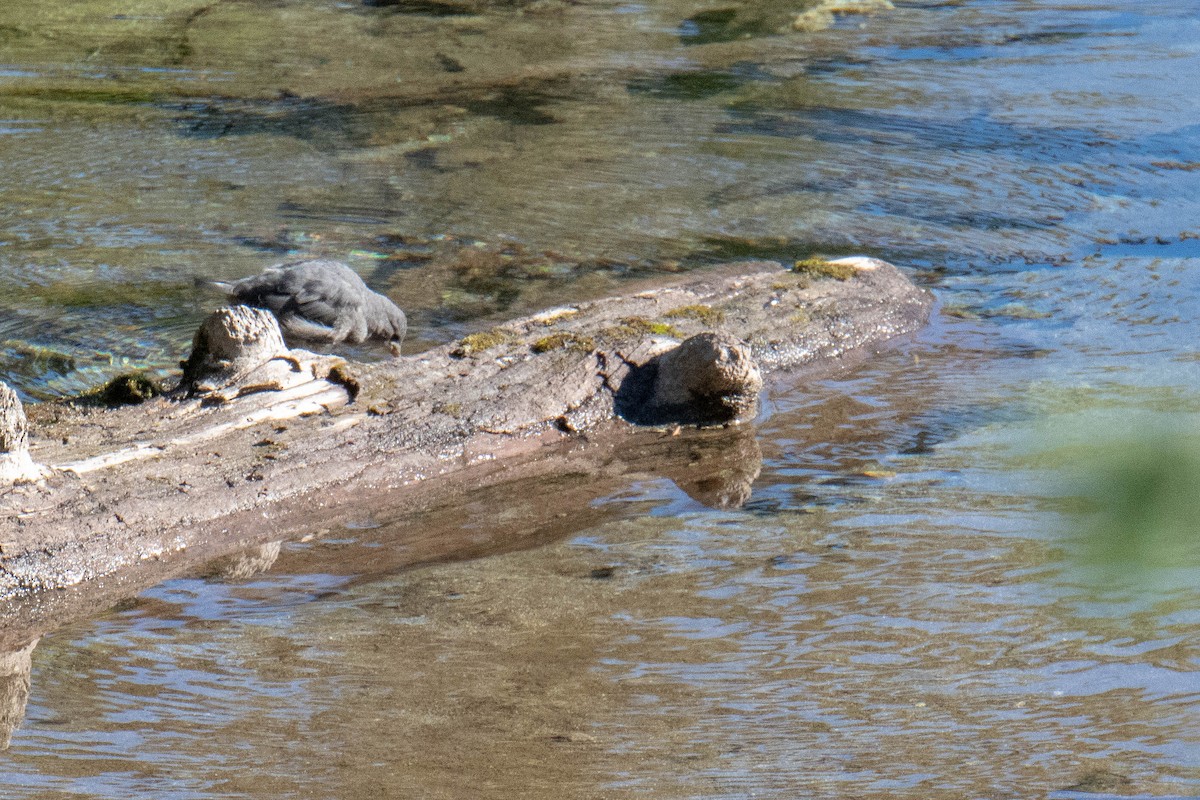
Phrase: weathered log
x=246 y=453
x=489 y=507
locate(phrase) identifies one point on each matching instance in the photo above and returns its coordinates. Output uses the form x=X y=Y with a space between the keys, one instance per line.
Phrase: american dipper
x=320 y=301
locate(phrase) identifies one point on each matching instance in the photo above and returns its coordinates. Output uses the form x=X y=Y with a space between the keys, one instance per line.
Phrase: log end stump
x=708 y=379
x=16 y=466
x=230 y=344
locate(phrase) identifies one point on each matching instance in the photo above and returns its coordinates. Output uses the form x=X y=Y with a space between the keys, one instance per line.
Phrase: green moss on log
x=639 y=328
x=705 y=314
x=479 y=342
x=124 y=390
x=559 y=341
x=820 y=268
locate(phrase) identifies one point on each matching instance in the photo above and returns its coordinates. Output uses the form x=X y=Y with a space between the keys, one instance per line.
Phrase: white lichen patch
x=550 y=316
x=860 y=263
x=825 y=13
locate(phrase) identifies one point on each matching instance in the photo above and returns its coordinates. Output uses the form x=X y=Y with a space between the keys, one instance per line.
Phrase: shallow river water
x=942 y=584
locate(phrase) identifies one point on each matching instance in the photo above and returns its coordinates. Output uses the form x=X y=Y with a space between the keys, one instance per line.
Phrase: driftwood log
x=260 y=444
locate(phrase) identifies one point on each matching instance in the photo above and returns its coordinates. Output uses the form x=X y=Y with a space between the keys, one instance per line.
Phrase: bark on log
x=246 y=454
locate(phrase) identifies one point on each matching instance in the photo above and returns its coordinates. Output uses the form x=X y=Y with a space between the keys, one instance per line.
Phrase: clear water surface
x=898 y=611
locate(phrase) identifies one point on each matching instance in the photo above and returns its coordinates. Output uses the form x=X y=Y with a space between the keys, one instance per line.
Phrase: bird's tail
x=215 y=286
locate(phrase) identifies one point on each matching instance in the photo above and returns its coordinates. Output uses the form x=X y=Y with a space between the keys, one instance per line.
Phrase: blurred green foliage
x=1142 y=503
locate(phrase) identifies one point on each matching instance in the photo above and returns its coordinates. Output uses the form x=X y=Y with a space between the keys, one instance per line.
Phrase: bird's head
x=395 y=327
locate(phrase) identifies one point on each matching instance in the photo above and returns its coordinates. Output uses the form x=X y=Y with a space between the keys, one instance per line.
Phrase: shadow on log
x=283 y=444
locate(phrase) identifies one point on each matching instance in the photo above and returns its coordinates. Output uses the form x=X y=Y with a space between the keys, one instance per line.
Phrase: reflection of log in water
x=717 y=471
x=243 y=564
x=543 y=501
x=526 y=502
x=15 y=666
x=715 y=467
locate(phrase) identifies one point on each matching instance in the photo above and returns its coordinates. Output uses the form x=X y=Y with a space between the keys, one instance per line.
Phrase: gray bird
x=320 y=301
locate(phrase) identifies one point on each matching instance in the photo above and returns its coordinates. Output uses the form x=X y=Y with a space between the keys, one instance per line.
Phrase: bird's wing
x=330 y=301
x=319 y=300
x=300 y=328
x=334 y=297
x=269 y=289
x=223 y=287
x=311 y=293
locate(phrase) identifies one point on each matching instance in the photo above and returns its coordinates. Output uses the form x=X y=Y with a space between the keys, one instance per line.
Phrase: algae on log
x=298 y=442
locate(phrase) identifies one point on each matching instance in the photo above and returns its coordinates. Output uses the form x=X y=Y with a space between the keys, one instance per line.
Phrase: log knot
x=229 y=345
x=709 y=379
x=713 y=375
